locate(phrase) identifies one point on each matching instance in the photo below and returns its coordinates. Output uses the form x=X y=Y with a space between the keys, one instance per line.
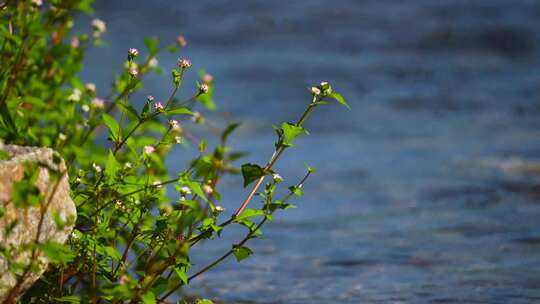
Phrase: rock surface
x=34 y=223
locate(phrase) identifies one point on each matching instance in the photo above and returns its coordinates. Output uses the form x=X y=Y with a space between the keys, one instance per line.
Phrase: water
x=423 y=193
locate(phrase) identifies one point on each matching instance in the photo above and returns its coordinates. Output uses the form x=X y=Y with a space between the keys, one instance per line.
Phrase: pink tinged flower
x=315 y=91
x=207 y=78
x=149 y=149
x=158 y=106
x=133 y=52
x=98 y=103
x=203 y=88
x=207 y=189
x=75 y=43
x=150 y=98
x=181 y=40
x=184 y=63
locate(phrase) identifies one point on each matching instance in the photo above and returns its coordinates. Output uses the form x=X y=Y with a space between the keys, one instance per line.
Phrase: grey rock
x=35 y=223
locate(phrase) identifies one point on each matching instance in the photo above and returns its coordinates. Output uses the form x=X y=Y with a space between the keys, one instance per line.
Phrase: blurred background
x=427 y=191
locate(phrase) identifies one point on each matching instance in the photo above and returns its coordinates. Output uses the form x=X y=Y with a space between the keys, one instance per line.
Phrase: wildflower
x=153 y=63
x=75 y=95
x=181 y=40
x=159 y=107
x=91 y=87
x=96 y=168
x=120 y=205
x=150 y=98
x=128 y=165
x=207 y=78
x=132 y=53
x=315 y=91
x=78 y=180
x=277 y=178
x=174 y=124
x=220 y=209
x=157 y=184
x=184 y=191
x=326 y=88
x=178 y=139
x=99 y=28
x=203 y=88
x=75 y=43
x=98 y=103
x=207 y=189
x=149 y=149
x=184 y=63
x=62 y=136
x=85 y=108
x=133 y=72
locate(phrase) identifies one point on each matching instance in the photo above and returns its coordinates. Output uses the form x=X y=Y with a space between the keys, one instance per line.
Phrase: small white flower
x=153 y=63
x=184 y=63
x=99 y=26
x=133 y=72
x=277 y=178
x=150 y=98
x=196 y=116
x=315 y=91
x=62 y=136
x=174 y=124
x=203 y=88
x=75 y=95
x=97 y=168
x=98 y=103
x=128 y=165
x=158 y=106
x=157 y=184
x=324 y=84
x=185 y=191
x=220 y=209
x=90 y=87
x=178 y=139
x=85 y=108
x=78 y=180
x=149 y=149
x=120 y=205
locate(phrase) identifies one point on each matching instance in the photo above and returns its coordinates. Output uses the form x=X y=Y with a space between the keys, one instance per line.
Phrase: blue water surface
x=426 y=190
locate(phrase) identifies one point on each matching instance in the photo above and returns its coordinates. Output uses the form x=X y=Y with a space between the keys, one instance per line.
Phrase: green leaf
x=112 y=165
x=230 y=128
x=339 y=99
x=152 y=44
x=250 y=213
x=182 y=275
x=241 y=252
x=149 y=298
x=251 y=172
x=57 y=253
x=290 y=132
x=128 y=108
x=69 y=299
x=112 y=124
x=177 y=77
x=204 y=301
x=179 y=111
x=4 y=155
x=296 y=190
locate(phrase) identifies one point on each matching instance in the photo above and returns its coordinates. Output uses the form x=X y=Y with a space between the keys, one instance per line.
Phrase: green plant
x=132 y=240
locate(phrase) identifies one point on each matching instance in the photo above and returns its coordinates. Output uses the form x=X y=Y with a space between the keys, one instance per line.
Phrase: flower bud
x=277 y=178
x=132 y=53
x=149 y=149
x=185 y=191
x=98 y=103
x=315 y=91
x=159 y=107
x=150 y=98
x=181 y=40
x=133 y=72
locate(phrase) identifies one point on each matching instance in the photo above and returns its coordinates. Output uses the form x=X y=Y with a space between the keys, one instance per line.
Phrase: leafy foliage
x=132 y=237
